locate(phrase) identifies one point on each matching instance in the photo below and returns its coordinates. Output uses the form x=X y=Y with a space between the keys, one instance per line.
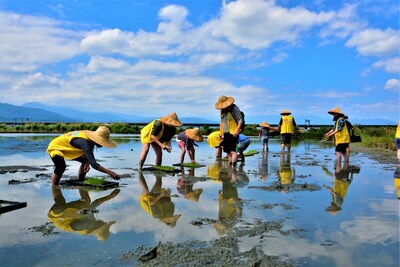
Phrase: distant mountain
x=11 y=113
x=85 y=116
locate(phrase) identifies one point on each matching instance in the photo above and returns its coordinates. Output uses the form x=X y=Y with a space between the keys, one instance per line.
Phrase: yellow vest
x=232 y=125
x=61 y=145
x=342 y=137
x=287 y=124
x=145 y=133
x=398 y=130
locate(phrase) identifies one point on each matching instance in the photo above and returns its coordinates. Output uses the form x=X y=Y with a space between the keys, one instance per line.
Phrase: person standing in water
x=341 y=133
x=286 y=127
x=78 y=146
x=186 y=141
x=158 y=134
x=263 y=135
x=230 y=125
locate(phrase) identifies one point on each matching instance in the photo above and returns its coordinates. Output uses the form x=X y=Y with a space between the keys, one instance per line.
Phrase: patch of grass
x=250 y=153
x=164 y=168
x=191 y=164
x=95 y=181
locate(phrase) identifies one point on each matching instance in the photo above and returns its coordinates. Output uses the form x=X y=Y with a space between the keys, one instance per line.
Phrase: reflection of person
x=230 y=125
x=341 y=133
x=397 y=140
x=286 y=127
x=397 y=181
x=79 y=145
x=263 y=135
x=230 y=205
x=186 y=141
x=263 y=167
x=157 y=201
x=340 y=187
x=185 y=187
x=286 y=173
x=214 y=140
x=158 y=134
x=243 y=144
x=78 y=216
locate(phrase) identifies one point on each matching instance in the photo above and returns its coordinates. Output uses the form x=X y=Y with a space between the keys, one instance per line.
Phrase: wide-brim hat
x=194 y=134
x=224 y=102
x=170 y=221
x=264 y=124
x=101 y=136
x=286 y=112
x=171 y=120
x=336 y=110
x=194 y=195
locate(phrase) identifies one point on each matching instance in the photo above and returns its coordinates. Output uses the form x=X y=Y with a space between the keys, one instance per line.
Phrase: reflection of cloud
x=372 y=230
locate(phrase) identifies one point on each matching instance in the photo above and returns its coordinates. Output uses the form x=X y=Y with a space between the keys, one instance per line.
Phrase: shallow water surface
x=326 y=215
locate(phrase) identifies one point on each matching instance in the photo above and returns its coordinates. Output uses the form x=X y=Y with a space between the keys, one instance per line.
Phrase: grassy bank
x=377 y=137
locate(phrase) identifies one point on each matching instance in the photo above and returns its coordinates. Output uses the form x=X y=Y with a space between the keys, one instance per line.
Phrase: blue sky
x=150 y=58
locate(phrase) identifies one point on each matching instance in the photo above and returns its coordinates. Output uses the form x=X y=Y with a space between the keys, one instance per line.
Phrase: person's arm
x=237 y=114
x=157 y=128
x=88 y=151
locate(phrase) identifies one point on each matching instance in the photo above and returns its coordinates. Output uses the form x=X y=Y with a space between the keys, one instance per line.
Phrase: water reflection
x=185 y=186
x=157 y=201
x=286 y=173
x=230 y=205
x=397 y=181
x=78 y=215
x=343 y=176
x=263 y=166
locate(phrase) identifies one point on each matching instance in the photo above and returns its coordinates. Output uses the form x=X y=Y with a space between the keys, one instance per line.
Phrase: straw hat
x=335 y=111
x=101 y=136
x=224 y=102
x=194 y=195
x=171 y=120
x=286 y=112
x=194 y=134
x=264 y=124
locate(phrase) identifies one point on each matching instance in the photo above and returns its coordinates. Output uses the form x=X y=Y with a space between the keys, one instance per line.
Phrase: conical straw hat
x=224 y=102
x=171 y=120
x=264 y=124
x=194 y=134
x=336 y=110
x=101 y=136
x=286 y=112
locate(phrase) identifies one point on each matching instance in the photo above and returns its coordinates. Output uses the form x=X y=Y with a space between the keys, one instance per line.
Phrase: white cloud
x=27 y=42
x=256 y=24
x=393 y=85
x=391 y=65
x=343 y=23
x=376 y=42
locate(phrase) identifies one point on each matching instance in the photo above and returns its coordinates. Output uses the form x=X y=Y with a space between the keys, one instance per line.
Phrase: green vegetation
x=164 y=168
x=95 y=181
x=190 y=164
x=379 y=136
x=250 y=153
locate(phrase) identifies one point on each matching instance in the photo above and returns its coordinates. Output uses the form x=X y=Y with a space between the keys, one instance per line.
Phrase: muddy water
x=299 y=207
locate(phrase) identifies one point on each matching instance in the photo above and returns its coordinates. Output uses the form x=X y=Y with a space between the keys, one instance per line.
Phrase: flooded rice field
x=275 y=209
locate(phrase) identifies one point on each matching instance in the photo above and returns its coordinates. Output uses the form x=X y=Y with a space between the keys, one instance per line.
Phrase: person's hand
x=114 y=175
x=235 y=134
x=168 y=149
x=86 y=167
